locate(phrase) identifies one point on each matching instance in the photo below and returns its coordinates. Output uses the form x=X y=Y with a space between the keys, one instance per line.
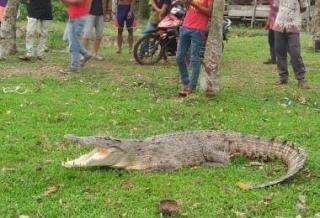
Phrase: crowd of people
x=283 y=24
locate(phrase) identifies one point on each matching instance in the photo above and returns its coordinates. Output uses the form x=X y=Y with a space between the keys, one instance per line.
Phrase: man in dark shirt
x=39 y=12
x=159 y=9
x=100 y=11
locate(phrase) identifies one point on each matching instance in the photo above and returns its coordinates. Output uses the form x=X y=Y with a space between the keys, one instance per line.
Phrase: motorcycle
x=162 y=41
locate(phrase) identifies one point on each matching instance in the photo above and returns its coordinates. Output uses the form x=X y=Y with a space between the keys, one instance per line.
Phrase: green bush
x=58 y=10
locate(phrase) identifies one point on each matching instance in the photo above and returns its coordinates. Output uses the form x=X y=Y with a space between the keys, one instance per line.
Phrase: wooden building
x=254 y=10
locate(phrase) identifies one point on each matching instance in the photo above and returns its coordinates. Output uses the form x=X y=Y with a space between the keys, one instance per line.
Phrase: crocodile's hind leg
x=215 y=158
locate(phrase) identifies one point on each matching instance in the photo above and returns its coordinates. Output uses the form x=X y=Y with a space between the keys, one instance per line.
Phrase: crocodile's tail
x=266 y=149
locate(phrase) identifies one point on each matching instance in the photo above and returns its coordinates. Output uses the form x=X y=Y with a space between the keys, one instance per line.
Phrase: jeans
x=189 y=38
x=75 y=30
x=289 y=43
x=31 y=35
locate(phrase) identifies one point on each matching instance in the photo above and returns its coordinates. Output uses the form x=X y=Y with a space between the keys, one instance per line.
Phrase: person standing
x=39 y=13
x=3 y=4
x=125 y=15
x=77 y=12
x=273 y=10
x=192 y=35
x=100 y=11
x=159 y=9
x=287 y=29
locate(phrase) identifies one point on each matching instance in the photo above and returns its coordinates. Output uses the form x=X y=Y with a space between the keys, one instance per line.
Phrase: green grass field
x=120 y=98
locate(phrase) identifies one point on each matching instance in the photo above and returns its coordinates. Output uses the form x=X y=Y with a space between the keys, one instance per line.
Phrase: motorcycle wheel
x=148 y=50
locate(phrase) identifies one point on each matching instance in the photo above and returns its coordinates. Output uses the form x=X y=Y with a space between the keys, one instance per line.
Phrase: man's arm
x=130 y=14
x=131 y=6
x=163 y=11
x=107 y=8
x=154 y=6
x=202 y=9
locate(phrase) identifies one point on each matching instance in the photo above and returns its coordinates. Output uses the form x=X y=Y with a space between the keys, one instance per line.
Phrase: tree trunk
x=209 y=80
x=143 y=9
x=8 y=29
x=316 y=26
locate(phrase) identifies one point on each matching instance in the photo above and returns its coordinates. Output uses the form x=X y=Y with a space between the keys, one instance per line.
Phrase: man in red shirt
x=77 y=11
x=192 y=35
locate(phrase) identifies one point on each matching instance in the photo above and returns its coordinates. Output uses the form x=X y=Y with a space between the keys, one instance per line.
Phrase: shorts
x=93 y=21
x=122 y=17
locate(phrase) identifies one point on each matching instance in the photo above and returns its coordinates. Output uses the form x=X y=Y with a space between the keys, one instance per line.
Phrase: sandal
x=185 y=91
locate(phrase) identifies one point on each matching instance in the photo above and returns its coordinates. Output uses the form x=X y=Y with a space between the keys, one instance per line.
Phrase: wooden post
x=8 y=29
x=253 y=19
x=209 y=76
x=316 y=26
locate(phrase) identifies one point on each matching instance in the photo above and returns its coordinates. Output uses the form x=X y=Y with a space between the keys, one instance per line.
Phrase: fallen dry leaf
x=268 y=199
x=62 y=202
x=302 y=202
x=123 y=215
x=196 y=205
x=7 y=169
x=50 y=190
x=168 y=207
x=48 y=162
x=38 y=168
x=302 y=100
x=240 y=215
x=107 y=202
x=243 y=185
x=127 y=185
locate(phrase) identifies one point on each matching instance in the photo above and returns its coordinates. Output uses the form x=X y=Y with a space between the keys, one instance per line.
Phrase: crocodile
x=190 y=148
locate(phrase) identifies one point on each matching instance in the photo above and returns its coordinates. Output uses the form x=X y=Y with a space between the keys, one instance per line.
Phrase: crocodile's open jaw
x=98 y=157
